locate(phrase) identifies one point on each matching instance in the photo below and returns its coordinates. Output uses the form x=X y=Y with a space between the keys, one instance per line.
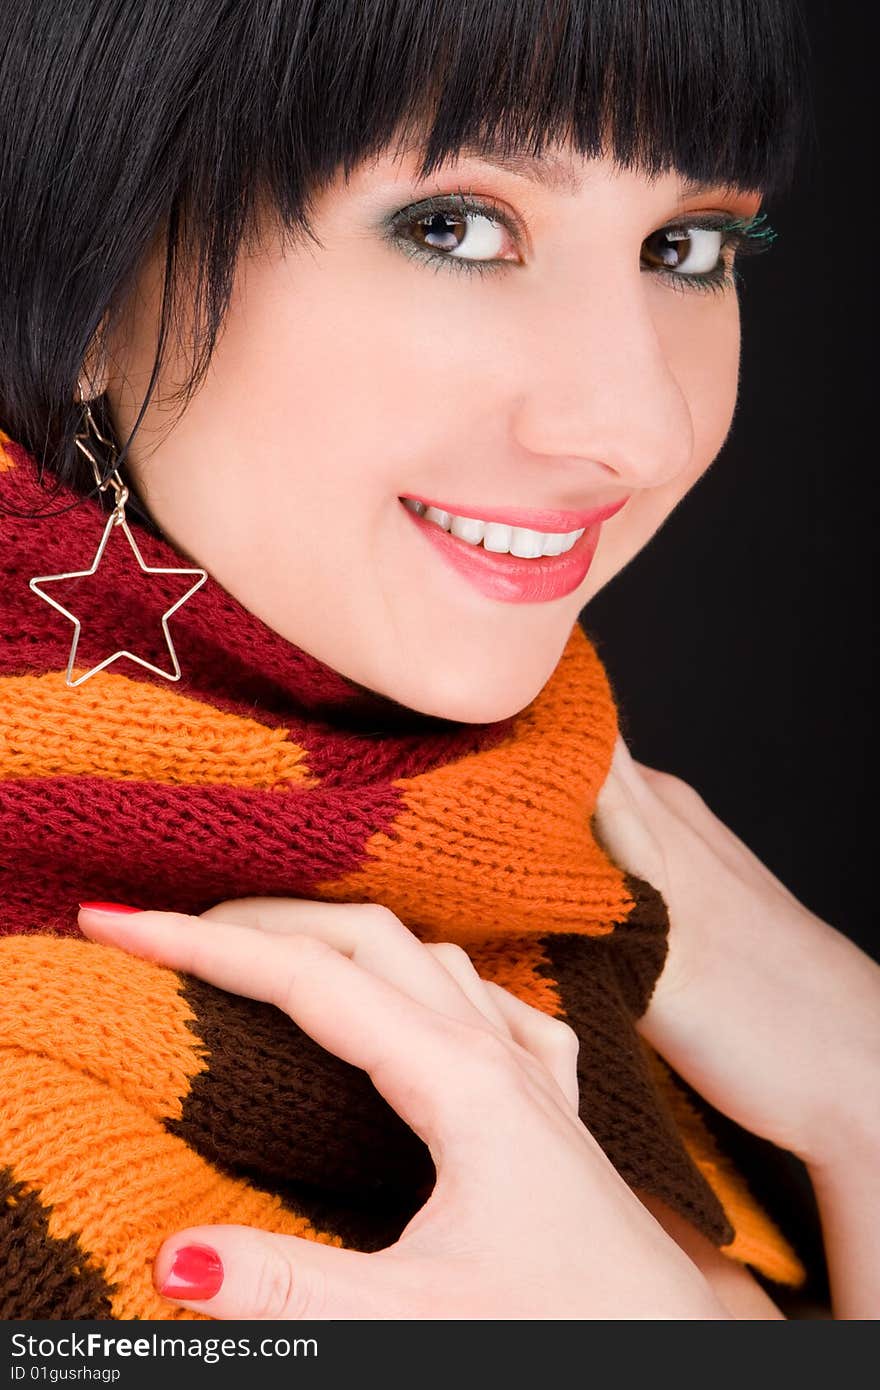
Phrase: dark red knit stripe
x=65 y=839
x=67 y=540
x=229 y=658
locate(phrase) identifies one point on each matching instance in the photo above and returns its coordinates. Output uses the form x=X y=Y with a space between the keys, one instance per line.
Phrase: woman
x=382 y=470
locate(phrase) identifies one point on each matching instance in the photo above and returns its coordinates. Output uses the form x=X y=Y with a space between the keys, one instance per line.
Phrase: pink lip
x=507 y=577
x=546 y=520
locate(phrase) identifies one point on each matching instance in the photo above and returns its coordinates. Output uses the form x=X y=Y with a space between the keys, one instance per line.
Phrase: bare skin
x=486 y=1081
x=764 y=1008
x=351 y=374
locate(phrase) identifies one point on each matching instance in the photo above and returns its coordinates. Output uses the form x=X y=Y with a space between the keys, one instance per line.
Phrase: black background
x=740 y=641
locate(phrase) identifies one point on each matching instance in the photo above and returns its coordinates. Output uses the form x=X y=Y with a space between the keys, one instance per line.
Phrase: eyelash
x=746 y=237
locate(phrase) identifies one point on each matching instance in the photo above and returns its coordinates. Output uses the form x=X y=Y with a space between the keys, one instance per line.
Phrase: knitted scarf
x=135 y=1100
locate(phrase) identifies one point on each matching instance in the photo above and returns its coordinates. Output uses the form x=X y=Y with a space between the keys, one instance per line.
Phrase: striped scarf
x=135 y=1100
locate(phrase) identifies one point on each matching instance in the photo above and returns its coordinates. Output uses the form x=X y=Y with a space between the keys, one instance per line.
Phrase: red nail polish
x=197 y=1272
x=110 y=907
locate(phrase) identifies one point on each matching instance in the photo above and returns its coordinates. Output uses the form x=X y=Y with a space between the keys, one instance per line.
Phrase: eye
x=703 y=253
x=470 y=235
x=686 y=250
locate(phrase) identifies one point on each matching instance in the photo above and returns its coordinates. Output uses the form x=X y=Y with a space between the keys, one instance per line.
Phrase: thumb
x=620 y=822
x=243 y=1272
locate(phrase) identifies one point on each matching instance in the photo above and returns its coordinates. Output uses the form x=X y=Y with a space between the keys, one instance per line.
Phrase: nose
x=600 y=388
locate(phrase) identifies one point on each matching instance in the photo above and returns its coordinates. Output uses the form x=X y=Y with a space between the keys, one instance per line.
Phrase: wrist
x=844 y=1123
x=849 y=1135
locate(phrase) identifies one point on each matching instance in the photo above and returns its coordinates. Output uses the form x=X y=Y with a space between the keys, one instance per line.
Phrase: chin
x=468 y=700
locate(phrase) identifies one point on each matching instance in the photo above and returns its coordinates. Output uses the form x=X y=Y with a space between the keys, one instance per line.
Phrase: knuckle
x=300 y=955
x=302 y=951
x=229 y=910
x=451 y=954
x=677 y=786
x=276 y=1292
x=490 y=1056
x=375 y=917
x=563 y=1037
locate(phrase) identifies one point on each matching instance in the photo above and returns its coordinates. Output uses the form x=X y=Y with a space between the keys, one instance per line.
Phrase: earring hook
x=81 y=440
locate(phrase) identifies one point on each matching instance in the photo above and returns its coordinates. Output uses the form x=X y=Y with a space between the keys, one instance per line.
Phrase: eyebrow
x=549 y=170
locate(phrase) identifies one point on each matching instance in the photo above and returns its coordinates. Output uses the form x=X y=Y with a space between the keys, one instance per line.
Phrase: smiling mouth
x=503 y=538
x=495 y=537
x=502 y=575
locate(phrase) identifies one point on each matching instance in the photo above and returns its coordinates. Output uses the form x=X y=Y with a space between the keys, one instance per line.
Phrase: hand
x=528 y=1218
x=765 y=1009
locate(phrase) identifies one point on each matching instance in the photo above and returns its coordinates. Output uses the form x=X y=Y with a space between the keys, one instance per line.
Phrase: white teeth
x=467 y=528
x=513 y=540
x=554 y=545
x=528 y=545
x=497 y=537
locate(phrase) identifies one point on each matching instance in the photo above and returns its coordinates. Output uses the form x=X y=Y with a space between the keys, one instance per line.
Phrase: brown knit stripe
x=43 y=1276
x=48 y=734
x=103 y=1012
x=272 y=1104
x=116 y=1180
x=756 y=1239
x=451 y=848
x=619 y=1105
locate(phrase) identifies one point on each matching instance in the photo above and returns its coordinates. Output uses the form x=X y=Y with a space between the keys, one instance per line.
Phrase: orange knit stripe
x=119 y=1020
x=148 y=733
x=516 y=966
x=757 y=1240
x=7 y=462
x=116 y=1179
x=481 y=873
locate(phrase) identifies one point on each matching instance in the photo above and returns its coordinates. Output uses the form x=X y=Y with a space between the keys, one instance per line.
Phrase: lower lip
x=507 y=577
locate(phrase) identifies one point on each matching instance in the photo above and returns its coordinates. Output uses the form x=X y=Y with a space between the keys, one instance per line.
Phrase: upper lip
x=547 y=519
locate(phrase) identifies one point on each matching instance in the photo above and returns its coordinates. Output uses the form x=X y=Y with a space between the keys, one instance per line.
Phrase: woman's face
x=544 y=352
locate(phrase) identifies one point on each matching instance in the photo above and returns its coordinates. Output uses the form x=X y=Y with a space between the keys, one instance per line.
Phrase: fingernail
x=197 y=1272
x=110 y=907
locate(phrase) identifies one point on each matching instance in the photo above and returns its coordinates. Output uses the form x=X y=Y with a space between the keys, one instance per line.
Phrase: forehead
x=558 y=168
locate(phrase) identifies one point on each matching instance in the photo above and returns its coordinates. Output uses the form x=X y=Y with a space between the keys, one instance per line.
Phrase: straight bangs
x=132 y=124
x=712 y=89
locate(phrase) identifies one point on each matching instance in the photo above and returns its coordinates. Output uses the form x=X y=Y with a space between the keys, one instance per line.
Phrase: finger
x=622 y=825
x=234 y=1272
x=549 y=1039
x=683 y=801
x=369 y=934
x=432 y=1069
x=460 y=966
x=629 y=776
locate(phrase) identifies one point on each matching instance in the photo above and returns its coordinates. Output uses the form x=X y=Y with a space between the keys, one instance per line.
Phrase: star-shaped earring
x=116 y=518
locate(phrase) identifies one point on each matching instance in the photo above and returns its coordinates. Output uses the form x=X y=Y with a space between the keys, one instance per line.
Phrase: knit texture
x=135 y=1100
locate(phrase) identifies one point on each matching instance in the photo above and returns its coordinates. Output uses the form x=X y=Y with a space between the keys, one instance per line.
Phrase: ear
x=94 y=376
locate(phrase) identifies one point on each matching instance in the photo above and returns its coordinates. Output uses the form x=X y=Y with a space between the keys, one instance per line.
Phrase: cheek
x=347 y=362
x=705 y=362
x=701 y=349
x=700 y=342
